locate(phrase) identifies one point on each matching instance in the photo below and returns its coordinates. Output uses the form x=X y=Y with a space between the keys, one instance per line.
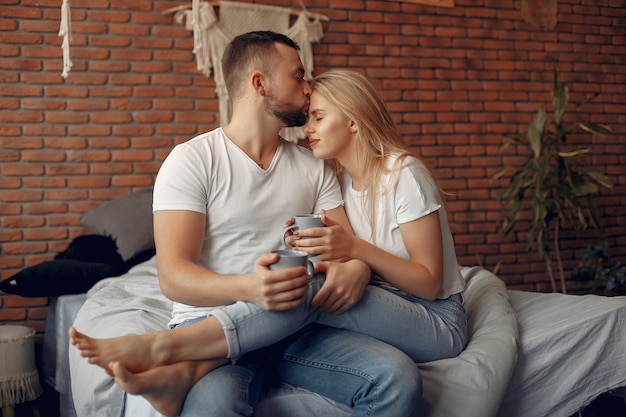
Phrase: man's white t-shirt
x=245 y=205
x=413 y=196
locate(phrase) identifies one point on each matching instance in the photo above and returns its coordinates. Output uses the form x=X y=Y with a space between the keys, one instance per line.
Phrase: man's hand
x=278 y=290
x=344 y=285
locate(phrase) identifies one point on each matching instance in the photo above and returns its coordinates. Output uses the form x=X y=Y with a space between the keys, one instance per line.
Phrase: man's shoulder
x=200 y=146
x=205 y=138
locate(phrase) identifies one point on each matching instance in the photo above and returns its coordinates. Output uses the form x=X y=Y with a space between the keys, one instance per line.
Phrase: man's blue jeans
x=368 y=378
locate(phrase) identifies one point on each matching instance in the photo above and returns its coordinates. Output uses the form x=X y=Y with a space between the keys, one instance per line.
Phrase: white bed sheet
x=571 y=349
x=61 y=314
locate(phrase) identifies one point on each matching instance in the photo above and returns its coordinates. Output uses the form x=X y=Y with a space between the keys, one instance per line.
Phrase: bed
x=530 y=354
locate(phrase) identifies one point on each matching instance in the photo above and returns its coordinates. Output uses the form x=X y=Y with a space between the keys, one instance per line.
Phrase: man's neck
x=259 y=144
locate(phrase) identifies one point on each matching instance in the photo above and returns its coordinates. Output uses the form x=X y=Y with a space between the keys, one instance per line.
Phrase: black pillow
x=92 y=248
x=58 y=277
x=87 y=260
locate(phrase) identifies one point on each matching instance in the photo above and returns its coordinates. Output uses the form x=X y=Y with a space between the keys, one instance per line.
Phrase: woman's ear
x=353 y=127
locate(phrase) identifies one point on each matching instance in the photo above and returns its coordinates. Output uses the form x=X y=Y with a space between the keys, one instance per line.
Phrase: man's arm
x=179 y=235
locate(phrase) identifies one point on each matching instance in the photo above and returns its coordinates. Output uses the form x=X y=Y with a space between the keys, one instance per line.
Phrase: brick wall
x=454 y=78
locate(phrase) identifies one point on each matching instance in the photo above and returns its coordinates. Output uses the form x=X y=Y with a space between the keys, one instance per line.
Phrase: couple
x=219 y=202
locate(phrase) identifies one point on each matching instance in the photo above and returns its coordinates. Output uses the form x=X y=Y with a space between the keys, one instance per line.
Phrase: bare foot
x=164 y=387
x=137 y=353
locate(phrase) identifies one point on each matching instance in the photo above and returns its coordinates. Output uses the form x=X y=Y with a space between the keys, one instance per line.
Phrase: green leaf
x=511 y=140
x=595 y=128
x=560 y=97
x=499 y=174
x=535 y=132
x=573 y=153
x=506 y=142
x=600 y=179
x=595 y=215
x=585 y=189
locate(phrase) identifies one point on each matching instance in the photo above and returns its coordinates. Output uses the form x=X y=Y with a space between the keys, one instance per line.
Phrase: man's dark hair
x=250 y=49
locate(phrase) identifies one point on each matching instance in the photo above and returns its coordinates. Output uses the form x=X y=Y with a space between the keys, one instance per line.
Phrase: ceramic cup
x=290 y=258
x=303 y=221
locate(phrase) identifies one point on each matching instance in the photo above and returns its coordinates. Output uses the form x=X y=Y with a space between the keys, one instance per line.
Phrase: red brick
x=46 y=234
x=44 y=182
x=23 y=248
x=10 y=315
x=67 y=169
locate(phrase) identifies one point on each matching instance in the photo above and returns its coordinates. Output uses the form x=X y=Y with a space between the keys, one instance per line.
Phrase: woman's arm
x=421 y=276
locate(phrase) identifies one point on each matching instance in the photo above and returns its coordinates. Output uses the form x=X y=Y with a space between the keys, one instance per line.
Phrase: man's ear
x=258 y=83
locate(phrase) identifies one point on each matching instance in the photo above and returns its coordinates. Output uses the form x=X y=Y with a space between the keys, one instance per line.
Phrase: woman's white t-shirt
x=414 y=195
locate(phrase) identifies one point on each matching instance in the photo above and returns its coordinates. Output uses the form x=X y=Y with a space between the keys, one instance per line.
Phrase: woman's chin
x=317 y=152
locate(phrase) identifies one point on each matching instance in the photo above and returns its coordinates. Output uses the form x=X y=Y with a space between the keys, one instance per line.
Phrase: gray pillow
x=127 y=220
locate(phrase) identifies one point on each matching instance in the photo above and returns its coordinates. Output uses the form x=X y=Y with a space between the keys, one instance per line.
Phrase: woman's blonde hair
x=377 y=135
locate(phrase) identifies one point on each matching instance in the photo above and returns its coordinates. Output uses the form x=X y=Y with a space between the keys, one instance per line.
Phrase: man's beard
x=290 y=117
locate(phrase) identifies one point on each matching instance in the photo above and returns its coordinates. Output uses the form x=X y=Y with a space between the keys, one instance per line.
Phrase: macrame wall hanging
x=212 y=34
x=65 y=31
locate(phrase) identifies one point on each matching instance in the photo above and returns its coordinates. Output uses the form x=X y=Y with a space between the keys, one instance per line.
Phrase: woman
x=414 y=301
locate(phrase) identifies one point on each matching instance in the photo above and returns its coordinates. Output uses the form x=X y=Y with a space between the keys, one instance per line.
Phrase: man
x=219 y=203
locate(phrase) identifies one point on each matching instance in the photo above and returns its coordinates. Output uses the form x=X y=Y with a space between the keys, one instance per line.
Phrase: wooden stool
x=19 y=379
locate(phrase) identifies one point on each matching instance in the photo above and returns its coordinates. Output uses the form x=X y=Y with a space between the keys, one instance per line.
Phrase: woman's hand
x=332 y=242
x=289 y=236
x=343 y=287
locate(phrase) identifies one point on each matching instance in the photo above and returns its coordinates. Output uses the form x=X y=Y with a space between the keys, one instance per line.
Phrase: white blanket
x=130 y=304
x=473 y=383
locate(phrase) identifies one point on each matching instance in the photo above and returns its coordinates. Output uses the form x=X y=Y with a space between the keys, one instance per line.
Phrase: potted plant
x=554 y=181
x=606 y=273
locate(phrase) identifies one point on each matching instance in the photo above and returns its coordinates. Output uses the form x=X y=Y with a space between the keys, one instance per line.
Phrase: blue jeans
x=371 y=377
x=368 y=378
x=424 y=330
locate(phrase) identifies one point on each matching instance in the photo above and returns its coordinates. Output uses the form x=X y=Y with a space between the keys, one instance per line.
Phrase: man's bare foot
x=164 y=387
x=137 y=353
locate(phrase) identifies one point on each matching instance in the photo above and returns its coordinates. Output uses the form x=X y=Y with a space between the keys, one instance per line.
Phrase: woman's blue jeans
x=424 y=330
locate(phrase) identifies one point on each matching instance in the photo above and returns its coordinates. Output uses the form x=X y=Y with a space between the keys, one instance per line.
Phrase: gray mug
x=291 y=258
x=302 y=221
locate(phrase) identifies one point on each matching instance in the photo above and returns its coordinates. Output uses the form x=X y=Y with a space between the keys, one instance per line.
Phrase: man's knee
x=229 y=391
x=408 y=374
